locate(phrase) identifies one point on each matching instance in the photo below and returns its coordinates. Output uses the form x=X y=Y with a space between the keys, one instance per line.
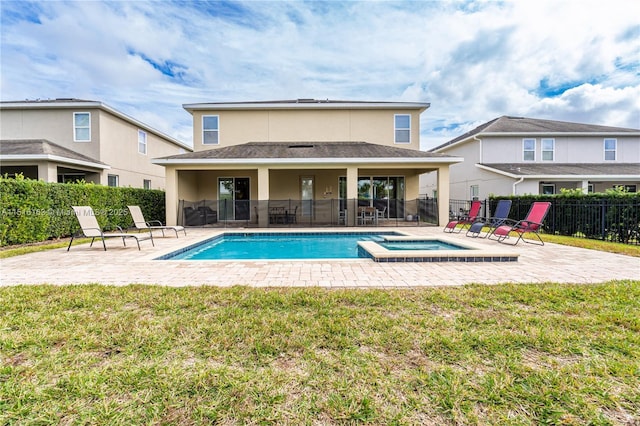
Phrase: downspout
x=480 y=148
x=513 y=192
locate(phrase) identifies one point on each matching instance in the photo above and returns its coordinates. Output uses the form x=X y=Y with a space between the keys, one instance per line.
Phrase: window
x=82 y=127
x=146 y=183
x=529 y=149
x=142 y=142
x=548 y=189
x=210 y=130
x=112 y=180
x=474 y=191
x=402 y=128
x=610 y=146
x=548 y=149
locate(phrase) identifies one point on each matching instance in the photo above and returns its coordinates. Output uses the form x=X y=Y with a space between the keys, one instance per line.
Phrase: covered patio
x=331 y=183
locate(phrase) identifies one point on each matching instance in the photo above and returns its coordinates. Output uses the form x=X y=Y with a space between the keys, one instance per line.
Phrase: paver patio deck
x=126 y=265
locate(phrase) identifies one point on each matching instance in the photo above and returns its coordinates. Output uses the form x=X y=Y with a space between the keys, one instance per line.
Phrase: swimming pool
x=298 y=245
x=242 y=246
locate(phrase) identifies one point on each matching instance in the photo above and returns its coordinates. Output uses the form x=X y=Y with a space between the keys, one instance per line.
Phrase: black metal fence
x=608 y=219
x=308 y=213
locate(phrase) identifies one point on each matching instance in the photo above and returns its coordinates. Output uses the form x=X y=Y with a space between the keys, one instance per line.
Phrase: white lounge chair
x=91 y=229
x=141 y=224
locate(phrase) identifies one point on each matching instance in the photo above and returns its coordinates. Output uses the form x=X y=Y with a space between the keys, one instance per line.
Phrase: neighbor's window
x=529 y=149
x=402 y=128
x=82 y=127
x=142 y=142
x=610 y=146
x=210 y=130
x=548 y=189
x=548 y=149
x=474 y=191
x=146 y=183
x=112 y=180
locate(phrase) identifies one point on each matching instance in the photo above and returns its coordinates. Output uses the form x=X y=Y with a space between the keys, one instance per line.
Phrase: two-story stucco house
x=516 y=155
x=65 y=140
x=318 y=158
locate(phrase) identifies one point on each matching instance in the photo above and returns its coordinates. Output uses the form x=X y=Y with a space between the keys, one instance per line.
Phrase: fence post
x=603 y=219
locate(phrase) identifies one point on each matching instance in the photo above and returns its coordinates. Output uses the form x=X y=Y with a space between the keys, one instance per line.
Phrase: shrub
x=34 y=211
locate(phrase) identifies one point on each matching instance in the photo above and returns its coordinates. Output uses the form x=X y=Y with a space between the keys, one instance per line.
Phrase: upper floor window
x=82 y=127
x=146 y=183
x=529 y=150
x=610 y=146
x=548 y=149
x=402 y=124
x=142 y=142
x=210 y=129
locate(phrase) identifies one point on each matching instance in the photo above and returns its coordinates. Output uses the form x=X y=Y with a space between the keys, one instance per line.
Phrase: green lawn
x=507 y=354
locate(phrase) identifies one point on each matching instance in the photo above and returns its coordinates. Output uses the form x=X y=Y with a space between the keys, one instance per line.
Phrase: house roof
x=73 y=103
x=42 y=149
x=592 y=170
x=298 y=152
x=305 y=104
x=507 y=125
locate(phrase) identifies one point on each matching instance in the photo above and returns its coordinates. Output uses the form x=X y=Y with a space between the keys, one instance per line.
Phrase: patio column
x=171 y=195
x=443 y=195
x=263 y=196
x=48 y=172
x=352 y=193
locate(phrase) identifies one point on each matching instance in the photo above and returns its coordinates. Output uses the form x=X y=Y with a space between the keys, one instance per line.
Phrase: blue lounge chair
x=500 y=215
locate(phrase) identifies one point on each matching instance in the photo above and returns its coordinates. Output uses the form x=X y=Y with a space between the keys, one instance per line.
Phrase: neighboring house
x=64 y=140
x=515 y=155
x=323 y=155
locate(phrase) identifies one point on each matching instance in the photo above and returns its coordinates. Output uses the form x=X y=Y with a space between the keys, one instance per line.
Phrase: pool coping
x=378 y=253
x=370 y=250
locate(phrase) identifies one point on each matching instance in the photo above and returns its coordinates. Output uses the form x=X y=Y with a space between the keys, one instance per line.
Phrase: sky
x=473 y=61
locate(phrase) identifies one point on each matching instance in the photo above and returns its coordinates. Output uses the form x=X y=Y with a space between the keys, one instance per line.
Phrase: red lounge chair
x=530 y=224
x=465 y=221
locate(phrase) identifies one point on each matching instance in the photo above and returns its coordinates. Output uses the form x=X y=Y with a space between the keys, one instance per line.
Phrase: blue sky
x=573 y=60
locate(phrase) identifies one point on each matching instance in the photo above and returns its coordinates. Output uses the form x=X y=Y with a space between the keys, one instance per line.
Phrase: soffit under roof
x=582 y=169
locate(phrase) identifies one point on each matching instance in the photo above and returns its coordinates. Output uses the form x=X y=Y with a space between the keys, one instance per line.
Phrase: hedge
x=612 y=216
x=34 y=211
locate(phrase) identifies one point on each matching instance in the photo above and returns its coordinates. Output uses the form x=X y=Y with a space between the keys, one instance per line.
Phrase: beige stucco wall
x=119 y=148
x=238 y=127
x=55 y=125
x=114 y=141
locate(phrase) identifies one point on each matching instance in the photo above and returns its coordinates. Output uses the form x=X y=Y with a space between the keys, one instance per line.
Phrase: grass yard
x=508 y=354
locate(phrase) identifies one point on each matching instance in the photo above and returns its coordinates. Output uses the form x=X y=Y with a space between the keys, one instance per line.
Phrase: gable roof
x=73 y=103
x=305 y=104
x=540 y=171
x=507 y=125
x=42 y=149
x=313 y=152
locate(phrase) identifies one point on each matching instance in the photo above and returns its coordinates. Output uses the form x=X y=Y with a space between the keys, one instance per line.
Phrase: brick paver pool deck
x=126 y=265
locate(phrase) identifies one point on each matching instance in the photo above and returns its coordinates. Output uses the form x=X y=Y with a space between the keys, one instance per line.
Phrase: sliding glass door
x=233 y=199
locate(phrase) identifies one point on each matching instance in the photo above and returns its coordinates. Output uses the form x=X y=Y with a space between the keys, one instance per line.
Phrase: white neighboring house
x=64 y=140
x=517 y=155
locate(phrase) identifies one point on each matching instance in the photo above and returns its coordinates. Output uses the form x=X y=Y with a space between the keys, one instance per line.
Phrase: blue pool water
x=419 y=245
x=279 y=246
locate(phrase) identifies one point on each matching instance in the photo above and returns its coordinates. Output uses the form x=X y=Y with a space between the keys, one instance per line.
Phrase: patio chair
x=500 y=215
x=531 y=224
x=91 y=229
x=464 y=220
x=141 y=224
